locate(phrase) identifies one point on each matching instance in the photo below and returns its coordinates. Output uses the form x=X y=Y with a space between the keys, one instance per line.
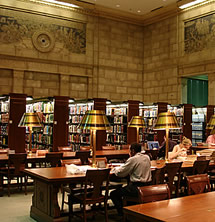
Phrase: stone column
x=18 y=81
x=64 y=85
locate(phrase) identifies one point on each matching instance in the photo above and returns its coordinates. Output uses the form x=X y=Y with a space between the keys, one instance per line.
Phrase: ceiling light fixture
x=62 y=3
x=117 y=6
x=138 y=11
x=191 y=4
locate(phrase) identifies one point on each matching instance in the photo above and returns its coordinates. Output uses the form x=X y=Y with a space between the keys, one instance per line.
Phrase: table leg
x=45 y=205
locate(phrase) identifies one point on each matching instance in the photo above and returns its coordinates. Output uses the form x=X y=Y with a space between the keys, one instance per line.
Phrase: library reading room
x=107 y=110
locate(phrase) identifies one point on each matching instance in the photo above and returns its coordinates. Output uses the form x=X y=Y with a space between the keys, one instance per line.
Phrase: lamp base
x=94 y=165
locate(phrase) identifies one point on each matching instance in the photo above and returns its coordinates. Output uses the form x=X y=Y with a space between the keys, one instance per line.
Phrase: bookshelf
x=178 y=110
x=149 y=113
x=53 y=112
x=78 y=137
x=198 y=124
x=117 y=116
x=12 y=107
x=4 y=121
x=41 y=138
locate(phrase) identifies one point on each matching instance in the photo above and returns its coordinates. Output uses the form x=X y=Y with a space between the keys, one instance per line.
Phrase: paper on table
x=73 y=169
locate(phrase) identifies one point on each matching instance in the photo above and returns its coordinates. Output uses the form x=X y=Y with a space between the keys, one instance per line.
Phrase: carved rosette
x=43 y=41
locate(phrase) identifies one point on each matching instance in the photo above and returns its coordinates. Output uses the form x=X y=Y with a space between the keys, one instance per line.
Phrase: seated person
x=211 y=139
x=138 y=167
x=162 y=149
x=181 y=149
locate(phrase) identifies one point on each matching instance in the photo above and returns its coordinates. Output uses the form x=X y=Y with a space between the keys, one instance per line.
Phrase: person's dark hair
x=136 y=147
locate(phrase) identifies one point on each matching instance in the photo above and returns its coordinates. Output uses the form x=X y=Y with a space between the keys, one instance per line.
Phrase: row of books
x=80 y=109
x=148 y=112
x=39 y=138
x=4 y=118
x=3 y=140
x=116 y=111
x=75 y=129
x=45 y=107
x=4 y=106
x=79 y=138
x=4 y=130
x=117 y=129
x=177 y=111
x=75 y=119
x=116 y=139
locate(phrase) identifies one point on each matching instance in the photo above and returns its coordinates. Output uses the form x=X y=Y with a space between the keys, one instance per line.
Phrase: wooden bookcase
x=54 y=115
x=14 y=135
x=79 y=137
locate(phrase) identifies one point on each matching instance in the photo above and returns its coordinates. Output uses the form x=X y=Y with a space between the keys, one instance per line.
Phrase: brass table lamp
x=137 y=122
x=94 y=120
x=30 y=120
x=166 y=121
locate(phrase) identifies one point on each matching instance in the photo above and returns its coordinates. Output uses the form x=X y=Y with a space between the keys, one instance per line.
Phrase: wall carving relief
x=43 y=30
x=199 y=34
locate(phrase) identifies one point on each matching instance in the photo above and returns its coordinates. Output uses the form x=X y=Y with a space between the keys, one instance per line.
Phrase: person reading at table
x=181 y=149
x=162 y=149
x=211 y=139
x=138 y=168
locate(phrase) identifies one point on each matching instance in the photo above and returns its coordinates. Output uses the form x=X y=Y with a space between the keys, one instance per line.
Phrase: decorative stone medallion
x=43 y=41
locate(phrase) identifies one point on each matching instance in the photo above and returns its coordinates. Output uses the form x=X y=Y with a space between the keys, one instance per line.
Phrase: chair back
x=84 y=148
x=18 y=162
x=96 y=179
x=108 y=147
x=41 y=152
x=197 y=184
x=83 y=155
x=173 y=170
x=153 y=193
x=200 y=166
x=53 y=159
x=65 y=149
x=99 y=159
x=71 y=161
x=153 y=154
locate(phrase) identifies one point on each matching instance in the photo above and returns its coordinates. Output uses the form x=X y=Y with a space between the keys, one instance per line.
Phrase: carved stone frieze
x=199 y=34
x=18 y=27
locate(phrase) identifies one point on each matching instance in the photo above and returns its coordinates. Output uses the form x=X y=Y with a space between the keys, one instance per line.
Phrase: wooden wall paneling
x=61 y=119
x=100 y=104
x=133 y=110
x=162 y=107
x=187 y=121
x=16 y=135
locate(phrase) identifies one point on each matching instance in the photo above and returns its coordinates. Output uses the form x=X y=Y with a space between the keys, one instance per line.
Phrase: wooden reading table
x=196 y=208
x=47 y=182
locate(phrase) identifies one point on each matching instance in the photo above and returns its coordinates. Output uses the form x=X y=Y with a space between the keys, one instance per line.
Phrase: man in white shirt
x=138 y=167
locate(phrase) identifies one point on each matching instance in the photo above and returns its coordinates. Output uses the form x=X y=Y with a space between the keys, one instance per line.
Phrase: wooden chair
x=153 y=154
x=16 y=165
x=197 y=184
x=65 y=149
x=71 y=161
x=53 y=159
x=108 y=148
x=96 y=179
x=85 y=148
x=172 y=176
x=153 y=193
x=83 y=155
x=99 y=159
x=200 y=167
x=66 y=188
